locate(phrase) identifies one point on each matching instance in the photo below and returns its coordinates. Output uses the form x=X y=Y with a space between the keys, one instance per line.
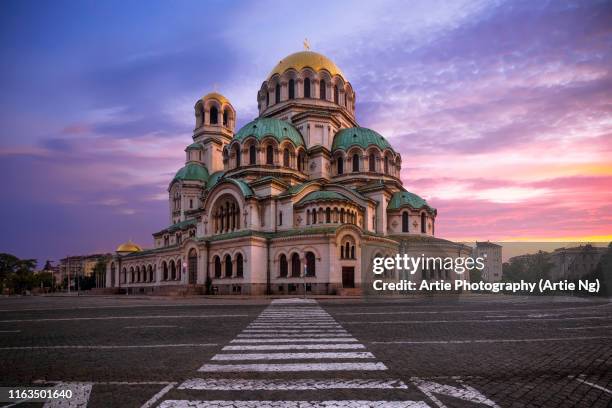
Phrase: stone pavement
x=484 y=351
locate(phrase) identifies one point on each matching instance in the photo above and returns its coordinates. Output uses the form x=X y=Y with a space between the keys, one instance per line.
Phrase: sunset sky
x=502 y=111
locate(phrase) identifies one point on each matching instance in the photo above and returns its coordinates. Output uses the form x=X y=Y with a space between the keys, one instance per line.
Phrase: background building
x=492 y=255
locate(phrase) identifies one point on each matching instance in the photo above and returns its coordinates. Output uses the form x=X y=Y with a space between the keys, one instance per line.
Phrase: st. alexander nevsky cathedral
x=300 y=199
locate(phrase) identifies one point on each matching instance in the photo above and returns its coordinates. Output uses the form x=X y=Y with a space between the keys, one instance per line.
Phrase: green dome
x=192 y=172
x=214 y=179
x=323 y=196
x=194 y=146
x=263 y=127
x=403 y=198
x=359 y=136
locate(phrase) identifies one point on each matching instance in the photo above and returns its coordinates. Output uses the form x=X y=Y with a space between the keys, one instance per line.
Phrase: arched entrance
x=192 y=264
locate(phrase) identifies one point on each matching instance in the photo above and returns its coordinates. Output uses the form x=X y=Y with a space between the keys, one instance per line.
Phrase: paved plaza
x=467 y=351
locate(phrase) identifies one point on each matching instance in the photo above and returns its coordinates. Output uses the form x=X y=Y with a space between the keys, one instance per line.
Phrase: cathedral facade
x=301 y=198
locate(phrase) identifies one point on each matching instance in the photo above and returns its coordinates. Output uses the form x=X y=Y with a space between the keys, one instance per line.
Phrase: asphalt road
x=438 y=352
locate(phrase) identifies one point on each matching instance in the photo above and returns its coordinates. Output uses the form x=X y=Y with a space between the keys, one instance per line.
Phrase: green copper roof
x=178 y=226
x=192 y=172
x=402 y=198
x=359 y=136
x=323 y=196
x=214 y=179
x=246 y=190
x=263 y=127
x=194 y=146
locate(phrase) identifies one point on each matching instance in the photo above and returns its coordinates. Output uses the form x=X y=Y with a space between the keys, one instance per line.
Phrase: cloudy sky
x=502 y=110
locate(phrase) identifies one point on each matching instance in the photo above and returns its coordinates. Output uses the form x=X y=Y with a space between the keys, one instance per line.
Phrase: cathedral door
x=192 y=264
x=348 y=277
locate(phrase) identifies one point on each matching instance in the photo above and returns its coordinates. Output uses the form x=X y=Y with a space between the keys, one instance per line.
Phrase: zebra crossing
x=294 y=345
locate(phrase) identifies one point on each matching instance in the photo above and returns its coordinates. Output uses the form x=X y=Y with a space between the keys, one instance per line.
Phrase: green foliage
x=530 y=268
x=602 y=272
x=17 y=274
x=475 y=275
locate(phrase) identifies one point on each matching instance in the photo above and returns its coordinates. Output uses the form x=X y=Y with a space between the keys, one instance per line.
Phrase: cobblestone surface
x=454 y=352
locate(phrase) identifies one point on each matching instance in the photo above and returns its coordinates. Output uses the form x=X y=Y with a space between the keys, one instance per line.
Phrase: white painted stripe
x=134 y=346
x=222 y=384
x=295 y=347
x=492 y=340
x=291 y=335
x=148 y=327
x=293 y=404
x=68 y=319
x=304 y=340
x=473 y=320
x=293 y=367
x=289 y=356
x=294 y=331
x=158 y=396
x=291 y=301
x=80 y=395
x=585 y=327
x=294 y=326
x=10 y=331
x=599 y=387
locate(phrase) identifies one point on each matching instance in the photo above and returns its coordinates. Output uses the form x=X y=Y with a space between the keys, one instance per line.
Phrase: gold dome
x=128 y=247
x=216 y=95
x=303 y=59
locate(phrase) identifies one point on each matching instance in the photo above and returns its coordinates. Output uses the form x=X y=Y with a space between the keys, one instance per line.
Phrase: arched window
x=277 y=93
x=295 y=265
x=405 y=221
x=322 y=90
x=347 y=249
x=267 y=98
x=151 y=274
x=307 y=88
x=165 y=270
x=239 y=266
x=286 y=158
x=228 y=267
x=217 y=267
x=310 y=264
x=355 y=162
x=284 y=268
x=372 y=162
x=214 y=115
x=252 y=155
x=386 y=165
x=172 y=270
x=353 y=252
x=335 y=93
x=291 y=89
x=132 y=277
x=340 y=163
x=423 y=223
x=300 y=164
x=280 y=218
x=341 y=251
x=314 y=216
x=342 y=215
x=269 y=155
x=124 y=275
x=238 y=154
x=328 y=215
x=225 y=117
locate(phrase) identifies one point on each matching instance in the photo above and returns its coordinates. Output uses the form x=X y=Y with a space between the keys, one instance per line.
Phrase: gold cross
x=306 y=44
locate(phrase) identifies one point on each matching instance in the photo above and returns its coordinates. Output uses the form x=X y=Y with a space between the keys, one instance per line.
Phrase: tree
x=530 y=268
x=16 y=274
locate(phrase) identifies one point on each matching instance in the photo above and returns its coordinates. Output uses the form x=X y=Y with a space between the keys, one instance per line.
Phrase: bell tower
x=215 y=121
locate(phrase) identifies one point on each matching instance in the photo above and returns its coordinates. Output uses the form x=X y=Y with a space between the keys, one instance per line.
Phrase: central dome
x=306 y=59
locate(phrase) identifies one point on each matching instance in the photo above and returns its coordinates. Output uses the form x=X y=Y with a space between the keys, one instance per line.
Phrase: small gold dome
x=303 y=59
x=128 y=247
x=216 y=95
